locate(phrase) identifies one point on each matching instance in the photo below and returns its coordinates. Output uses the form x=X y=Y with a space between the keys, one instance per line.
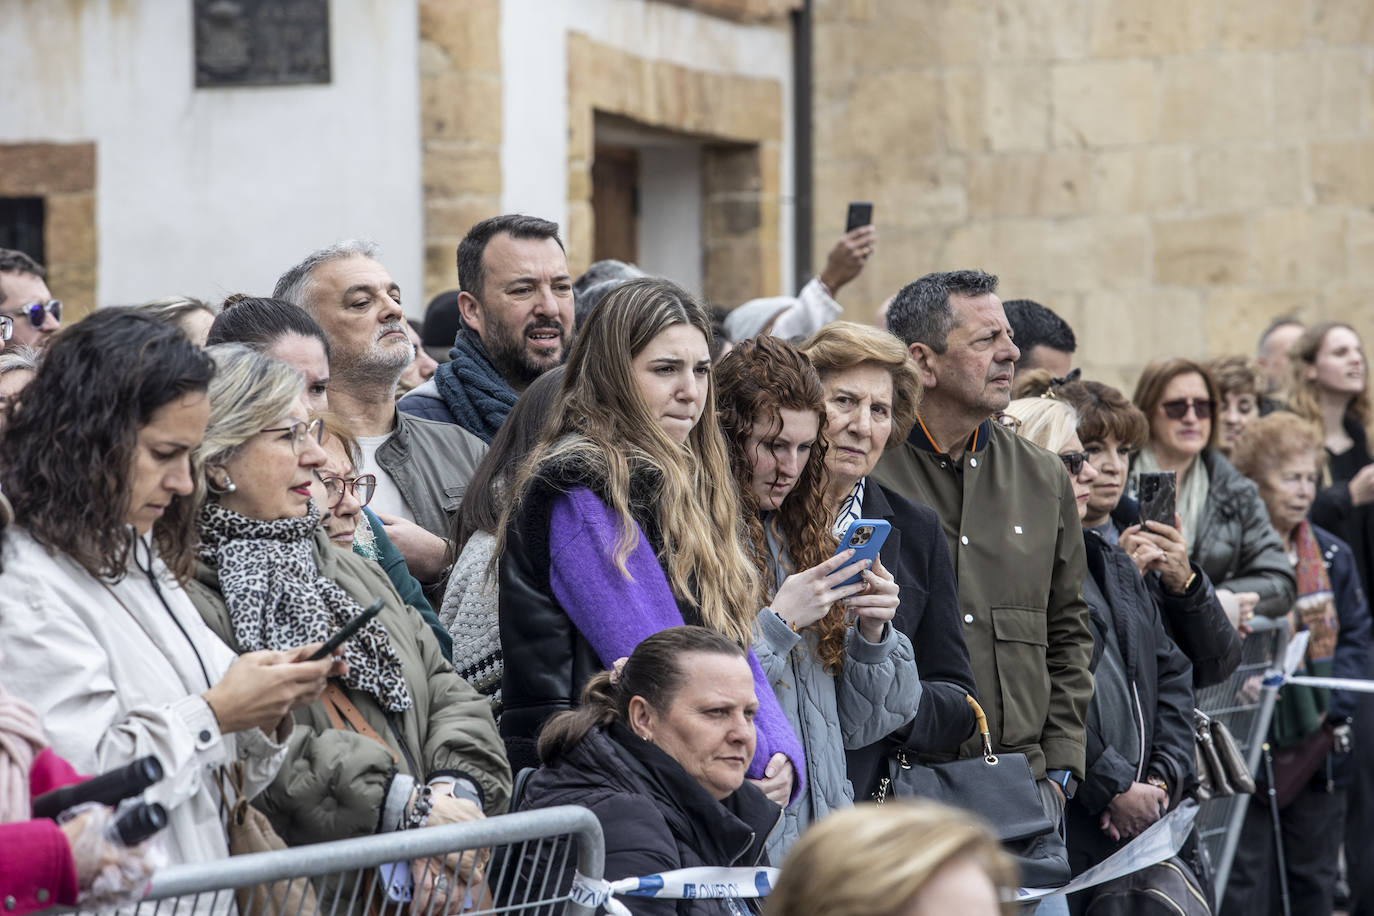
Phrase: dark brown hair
x=1149 y=391
x=71 y=442
x=655 y=670
x=1102 y=410
x=756 y=380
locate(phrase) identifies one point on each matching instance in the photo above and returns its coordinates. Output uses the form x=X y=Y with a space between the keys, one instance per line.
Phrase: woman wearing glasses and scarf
x=400 y=740
x=1223 y=517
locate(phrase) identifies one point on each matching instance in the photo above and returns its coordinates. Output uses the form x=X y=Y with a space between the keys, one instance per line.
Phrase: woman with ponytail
x=658 y=751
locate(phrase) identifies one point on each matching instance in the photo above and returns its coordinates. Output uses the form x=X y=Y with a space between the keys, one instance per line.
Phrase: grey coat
x=877 y=692
x=1235 y=543
x=431 y=464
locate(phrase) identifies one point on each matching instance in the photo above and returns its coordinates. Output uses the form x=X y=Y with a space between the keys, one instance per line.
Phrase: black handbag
x=1000 y=789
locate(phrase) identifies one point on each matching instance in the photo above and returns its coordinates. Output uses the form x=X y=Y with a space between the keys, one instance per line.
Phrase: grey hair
x=248 y=393
x=18 y=358
x=294 y=285
x=921 y=312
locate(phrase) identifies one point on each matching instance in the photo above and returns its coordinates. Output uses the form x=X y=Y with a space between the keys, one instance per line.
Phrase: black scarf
x=277 y=598
x=472 y=389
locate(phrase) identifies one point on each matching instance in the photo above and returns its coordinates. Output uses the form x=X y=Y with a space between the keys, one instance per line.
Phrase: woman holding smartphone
x=100 y=637
x=400 y=740
x=842 y=673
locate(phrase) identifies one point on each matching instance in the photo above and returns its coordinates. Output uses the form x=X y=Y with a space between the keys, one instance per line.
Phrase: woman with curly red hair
x=844 y=676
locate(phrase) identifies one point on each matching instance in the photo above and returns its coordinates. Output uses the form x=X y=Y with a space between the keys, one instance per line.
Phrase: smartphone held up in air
x=1156 y=494
x=860 y=214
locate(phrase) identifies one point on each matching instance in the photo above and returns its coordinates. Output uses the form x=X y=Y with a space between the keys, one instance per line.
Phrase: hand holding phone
x=347 y=631
x=860 y=214
x=865 y=537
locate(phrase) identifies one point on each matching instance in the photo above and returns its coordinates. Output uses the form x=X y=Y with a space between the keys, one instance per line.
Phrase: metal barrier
x=348 y=876
x=1246 y=713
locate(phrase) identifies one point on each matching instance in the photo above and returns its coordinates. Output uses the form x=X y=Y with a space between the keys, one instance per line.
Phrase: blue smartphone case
x=866 y=536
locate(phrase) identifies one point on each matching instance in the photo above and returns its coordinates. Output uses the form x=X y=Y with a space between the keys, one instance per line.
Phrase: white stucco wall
x=213 y=191
x=535 y=92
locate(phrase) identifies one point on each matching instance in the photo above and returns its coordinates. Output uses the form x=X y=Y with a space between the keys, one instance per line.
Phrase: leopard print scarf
x=277 y=598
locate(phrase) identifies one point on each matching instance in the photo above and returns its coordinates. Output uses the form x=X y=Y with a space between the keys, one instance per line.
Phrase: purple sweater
x=582 y=536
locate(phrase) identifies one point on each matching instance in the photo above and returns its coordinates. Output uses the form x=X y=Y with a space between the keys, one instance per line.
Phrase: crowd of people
x=606 y=537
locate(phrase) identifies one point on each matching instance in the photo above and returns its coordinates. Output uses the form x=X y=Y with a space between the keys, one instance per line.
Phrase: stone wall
x=1167 y=174
x=63 y=174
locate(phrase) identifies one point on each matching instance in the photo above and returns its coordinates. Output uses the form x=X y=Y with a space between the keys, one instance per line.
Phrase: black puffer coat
x=655 y=816
x=1161 y=680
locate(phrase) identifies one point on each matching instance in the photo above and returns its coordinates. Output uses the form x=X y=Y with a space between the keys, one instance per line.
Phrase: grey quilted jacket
x=877 y=692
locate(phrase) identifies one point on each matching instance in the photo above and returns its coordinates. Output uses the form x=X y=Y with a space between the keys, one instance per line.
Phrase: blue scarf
x=472 y=389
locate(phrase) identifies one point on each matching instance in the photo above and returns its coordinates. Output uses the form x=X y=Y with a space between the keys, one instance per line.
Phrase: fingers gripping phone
x=347 y=631
x=860 y=214
x=1157 y=495
x=866 y=537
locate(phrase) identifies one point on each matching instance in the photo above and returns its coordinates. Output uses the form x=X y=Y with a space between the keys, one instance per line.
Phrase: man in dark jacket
x=516 y=303
x=422 y=467
x=1010 y=516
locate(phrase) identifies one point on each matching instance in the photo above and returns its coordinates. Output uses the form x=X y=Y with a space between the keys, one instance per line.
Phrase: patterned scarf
x=21 y=739
x=277 y=598
x=472 y=389
x=851 y=507
x=1315 y=611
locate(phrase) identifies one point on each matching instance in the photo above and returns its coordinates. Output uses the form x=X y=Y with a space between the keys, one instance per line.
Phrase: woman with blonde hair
x=625 y=521
x=871 y=394
x=908 y=858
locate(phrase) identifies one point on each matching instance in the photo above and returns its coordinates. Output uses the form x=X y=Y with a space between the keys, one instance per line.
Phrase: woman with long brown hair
x=625 y=521
x=842 y=682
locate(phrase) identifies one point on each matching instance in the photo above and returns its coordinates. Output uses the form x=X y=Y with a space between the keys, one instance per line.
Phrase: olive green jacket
x=1009 y=513
x=337 y=783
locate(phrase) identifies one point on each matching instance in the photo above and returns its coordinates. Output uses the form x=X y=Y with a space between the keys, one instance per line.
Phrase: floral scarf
x=1302 y=709
x=277 y=598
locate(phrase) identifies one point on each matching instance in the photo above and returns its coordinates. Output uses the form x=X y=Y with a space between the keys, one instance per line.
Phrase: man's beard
x=513 y=361
x=377 y=365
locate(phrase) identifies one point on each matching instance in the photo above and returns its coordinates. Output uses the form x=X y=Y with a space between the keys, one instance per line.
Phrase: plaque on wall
x=261 y=42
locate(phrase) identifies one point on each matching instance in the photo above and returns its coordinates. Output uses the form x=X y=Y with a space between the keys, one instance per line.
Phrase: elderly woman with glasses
x=400 y=740
x=1222 y=515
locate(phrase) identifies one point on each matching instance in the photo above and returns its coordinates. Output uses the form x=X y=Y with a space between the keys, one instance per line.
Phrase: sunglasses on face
x=362 y=486
x=37 y=313
x=1074 y=461
x=299 y=432
x=1177 y=410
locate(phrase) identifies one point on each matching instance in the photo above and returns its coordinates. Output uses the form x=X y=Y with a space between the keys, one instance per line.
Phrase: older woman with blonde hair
x=908 y=858
x=871 y=395
x=397 y=741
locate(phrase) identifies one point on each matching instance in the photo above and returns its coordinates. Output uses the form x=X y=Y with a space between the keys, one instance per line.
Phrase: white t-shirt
x=386 y=499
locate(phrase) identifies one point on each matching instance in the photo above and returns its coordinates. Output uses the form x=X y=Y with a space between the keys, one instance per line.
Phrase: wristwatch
x=1064 y=779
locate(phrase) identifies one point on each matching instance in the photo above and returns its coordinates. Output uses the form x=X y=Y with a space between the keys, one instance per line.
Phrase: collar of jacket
x=735 y=835
x=920 y=437
x=399 y=439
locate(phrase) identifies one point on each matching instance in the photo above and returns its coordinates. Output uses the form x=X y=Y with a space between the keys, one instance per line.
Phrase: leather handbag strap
x=343 y=715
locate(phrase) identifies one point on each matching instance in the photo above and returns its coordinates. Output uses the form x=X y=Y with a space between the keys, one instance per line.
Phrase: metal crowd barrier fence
x=350 y=876
x=1245 y=707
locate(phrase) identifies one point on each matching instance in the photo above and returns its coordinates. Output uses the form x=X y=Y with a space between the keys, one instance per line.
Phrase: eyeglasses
x=6 y=327
x=299 y=431
x=1007 y=421
x=38 y=312
x=1177 y=410
x=1074 y=461
x=363 y=486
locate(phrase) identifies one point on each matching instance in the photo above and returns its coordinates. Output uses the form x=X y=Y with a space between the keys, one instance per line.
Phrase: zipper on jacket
x=1140 y=721
x=405 y=752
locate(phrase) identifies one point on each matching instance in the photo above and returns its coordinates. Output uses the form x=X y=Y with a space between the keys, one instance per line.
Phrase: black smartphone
x=1156 y=495
x=860 y=214
x=347 y=631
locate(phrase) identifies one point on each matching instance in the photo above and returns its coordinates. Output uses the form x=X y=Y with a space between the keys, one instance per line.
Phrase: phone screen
x=860 y=214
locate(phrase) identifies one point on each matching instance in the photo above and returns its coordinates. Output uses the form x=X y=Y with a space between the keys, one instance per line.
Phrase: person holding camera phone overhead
x=843 y=683
x=1223 y=517
x=399 y=740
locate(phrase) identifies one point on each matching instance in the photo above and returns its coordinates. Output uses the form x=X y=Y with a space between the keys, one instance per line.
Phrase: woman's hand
x=467 y=865
x=806 y=597
x=260 y=688
x=107 y=872
x=1157 y=546
x=877 y=605
x=426 y=554
x=777 y=781
x=1362 y=486
x=1239 y=608
x=1131 y=812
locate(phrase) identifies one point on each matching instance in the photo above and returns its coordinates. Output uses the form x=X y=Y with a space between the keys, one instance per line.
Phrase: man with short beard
x=422 y=467
x=516 y=303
